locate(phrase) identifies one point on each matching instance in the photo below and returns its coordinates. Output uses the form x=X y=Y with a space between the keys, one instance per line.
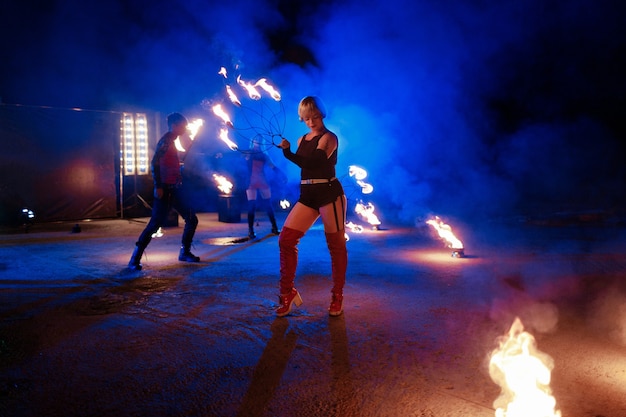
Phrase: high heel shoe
x=336 y=305
x=286 y=301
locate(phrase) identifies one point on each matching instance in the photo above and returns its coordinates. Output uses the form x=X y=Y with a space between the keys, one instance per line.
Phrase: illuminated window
x=134 y=144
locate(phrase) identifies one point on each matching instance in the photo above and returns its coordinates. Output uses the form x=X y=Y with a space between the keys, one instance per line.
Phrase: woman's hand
x=284 y=144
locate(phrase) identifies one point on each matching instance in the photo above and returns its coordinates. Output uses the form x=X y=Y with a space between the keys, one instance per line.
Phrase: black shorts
x=319 y=195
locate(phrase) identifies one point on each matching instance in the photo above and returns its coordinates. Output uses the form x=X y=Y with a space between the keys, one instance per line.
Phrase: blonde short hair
x=310 y=105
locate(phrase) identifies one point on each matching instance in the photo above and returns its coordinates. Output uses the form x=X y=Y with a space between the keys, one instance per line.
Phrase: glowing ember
x=219 y=112
x=268 y=88
x=224 y=136
x=366 y=211
x=523 y=374
x=159 y=233
x=285 y=204
x=356 y=228
x=251 y=89
x=231 y=95
x=445 y=232
x=223 y=184
x=223 y=72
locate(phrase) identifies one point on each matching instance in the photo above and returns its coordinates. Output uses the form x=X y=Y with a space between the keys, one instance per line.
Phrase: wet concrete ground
x=81 y=336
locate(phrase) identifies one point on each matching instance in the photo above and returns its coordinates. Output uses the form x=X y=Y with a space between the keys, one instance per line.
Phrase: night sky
x=454 y=107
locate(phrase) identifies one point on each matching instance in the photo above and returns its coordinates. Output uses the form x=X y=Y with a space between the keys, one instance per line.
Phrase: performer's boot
x=336 y=305
x=251 y=233
x=286 y=301
x=135 y=259
x=339 y=262
x=275 y=230
x=288 y=245
x=185 y=254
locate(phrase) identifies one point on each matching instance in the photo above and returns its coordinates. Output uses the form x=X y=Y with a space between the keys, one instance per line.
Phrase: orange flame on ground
x=523 y=374
x=223 y=184
x=219 y=112
x=224 y=137
x=445 y=232
x=366 y=211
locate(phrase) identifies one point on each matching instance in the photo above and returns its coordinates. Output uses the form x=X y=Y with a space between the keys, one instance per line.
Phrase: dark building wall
x=63 y=164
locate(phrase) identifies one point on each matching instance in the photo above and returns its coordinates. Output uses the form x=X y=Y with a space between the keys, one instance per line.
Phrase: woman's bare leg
x=301 y=218
x=334 y=215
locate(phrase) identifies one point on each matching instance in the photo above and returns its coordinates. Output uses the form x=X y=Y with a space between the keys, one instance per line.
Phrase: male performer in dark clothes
x=166 y=172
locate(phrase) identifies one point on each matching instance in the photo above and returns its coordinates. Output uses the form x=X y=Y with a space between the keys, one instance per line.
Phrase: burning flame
x=222 y=71
x=179 y=146
x=366 y=211
x=285 y=204
x=251 y=89
x=365 y=187
x=357 y=172
x=445 y=232
x=356 y=228
x=159 y=233
x=219 y=112
x=231 y=95
x=523 y=374
x=193 y=128
x=223 y=184
x=224 y=136
x=268 y=88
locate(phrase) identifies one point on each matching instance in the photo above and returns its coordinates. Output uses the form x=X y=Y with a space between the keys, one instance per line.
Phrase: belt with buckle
x=318 y=181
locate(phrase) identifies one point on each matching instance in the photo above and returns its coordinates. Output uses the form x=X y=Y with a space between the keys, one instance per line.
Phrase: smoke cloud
x=454 y=107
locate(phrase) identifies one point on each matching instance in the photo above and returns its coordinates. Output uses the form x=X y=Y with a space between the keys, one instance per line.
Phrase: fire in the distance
x=223 y=184
x=445 y=232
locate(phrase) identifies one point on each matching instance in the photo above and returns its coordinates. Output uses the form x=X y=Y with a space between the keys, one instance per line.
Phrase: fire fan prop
x=261 y=121
x=523 y=374
x=358 y=185
x=192 y=131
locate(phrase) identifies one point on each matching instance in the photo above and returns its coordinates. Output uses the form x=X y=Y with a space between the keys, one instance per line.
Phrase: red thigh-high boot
x=288 y=243
x=339 y=261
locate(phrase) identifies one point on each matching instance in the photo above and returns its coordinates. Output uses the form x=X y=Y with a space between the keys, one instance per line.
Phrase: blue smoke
x=454 y=107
